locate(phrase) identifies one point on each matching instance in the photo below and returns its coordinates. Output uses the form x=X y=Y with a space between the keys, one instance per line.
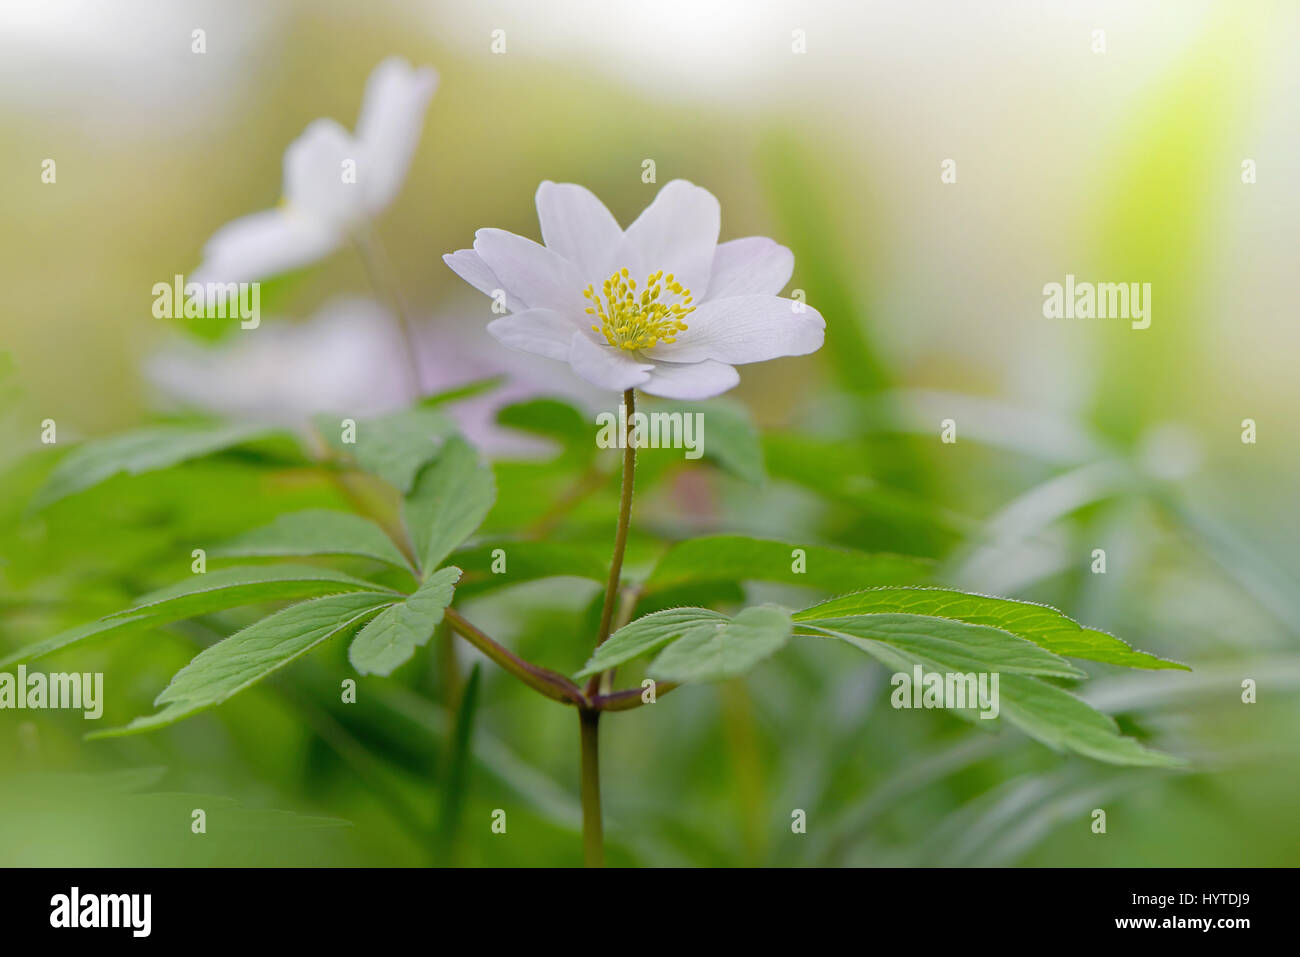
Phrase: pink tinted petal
x=392 y=118
x=539 y=331
x=754 y=265
x=314 y=175
x=577 y=225
x=743 y=329
x=469 y=265
x=677 y=233
x=603 y=365
x=535 y=274
x=694 y=380
x=264 y=244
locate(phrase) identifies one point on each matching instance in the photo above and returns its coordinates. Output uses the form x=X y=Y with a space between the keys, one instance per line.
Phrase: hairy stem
x=624 y=522
x=550 y=683
x=628 y=698
x=592 y=829
x=593 y=840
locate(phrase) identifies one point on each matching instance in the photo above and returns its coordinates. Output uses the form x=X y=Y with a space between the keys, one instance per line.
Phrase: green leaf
x=395 y=446
x=1043 y=711
x=725 y=650
x=244 y=585
x=730 y=438
x=737 y=558
x=713 y=593
x=144 y=450
x=449 y=501
x=316 y=531
x=248 y=656
x=74 y=635
x=556 y=420
x=392 y=637
x=524 y=561
x=1060 y=720
x=648 y=633
x=1041 y=624
x=961 y=646
x=203 y=594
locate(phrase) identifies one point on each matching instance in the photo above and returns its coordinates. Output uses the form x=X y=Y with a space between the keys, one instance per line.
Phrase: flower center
x=629 y=320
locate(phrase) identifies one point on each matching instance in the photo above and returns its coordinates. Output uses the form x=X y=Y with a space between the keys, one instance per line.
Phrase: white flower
x=661 y=306
x=334 y=181
x=341 y=361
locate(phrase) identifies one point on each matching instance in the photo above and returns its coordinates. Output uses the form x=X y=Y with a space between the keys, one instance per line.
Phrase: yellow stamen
x=630 y=321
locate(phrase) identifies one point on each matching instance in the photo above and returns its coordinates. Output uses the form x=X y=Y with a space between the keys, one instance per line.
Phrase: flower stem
x=624 y=521
x=593 y=842
x=550 y=683
x=592 y=830
x=380 y=272
x=629 y=698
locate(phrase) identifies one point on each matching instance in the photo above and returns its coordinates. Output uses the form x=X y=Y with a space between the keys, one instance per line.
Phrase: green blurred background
x=1122 y=165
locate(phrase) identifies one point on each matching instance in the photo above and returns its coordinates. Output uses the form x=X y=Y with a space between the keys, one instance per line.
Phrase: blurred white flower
x=341 y=361
x=661 y=307
x=334 y=182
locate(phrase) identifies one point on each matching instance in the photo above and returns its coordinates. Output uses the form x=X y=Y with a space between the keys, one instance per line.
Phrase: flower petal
x=605 y=366
x=578 y=226
x=535 y=274
x=677 y=233
x=742 y=329
x=340 y=360
x=264 y=244
x=542 y=332
x=754 y=265
x=389 y=127
x=314 y=181
x=691 y=380
x=469 y=265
